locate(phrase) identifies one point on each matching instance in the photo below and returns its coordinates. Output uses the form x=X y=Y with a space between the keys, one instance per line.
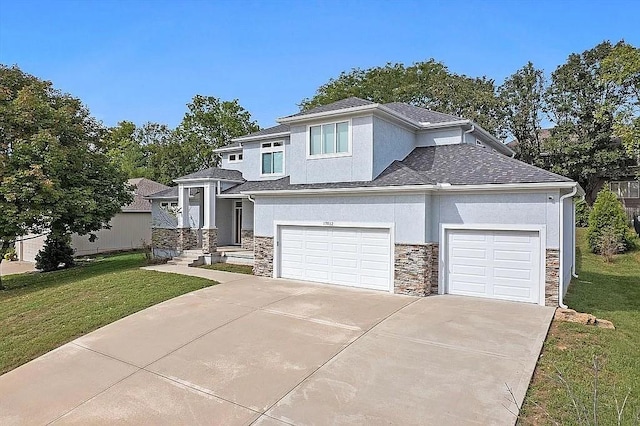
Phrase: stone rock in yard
x=569 y=315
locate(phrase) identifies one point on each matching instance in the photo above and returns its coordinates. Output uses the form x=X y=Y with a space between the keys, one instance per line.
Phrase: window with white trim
x=329 y=139
x=626 y=189
x=272 y=154
x=235 y=158
x=166 y=205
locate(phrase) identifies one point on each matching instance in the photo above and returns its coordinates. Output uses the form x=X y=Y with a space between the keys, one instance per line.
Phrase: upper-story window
x=329 y=139
x=272 y=158
x=626 y=189
x=235 y=158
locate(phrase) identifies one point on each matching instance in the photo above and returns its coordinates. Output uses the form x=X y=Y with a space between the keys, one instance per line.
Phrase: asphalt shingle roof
x=334 y=106
x=280 y=128
x=171 y=192
x=460 y=164
x=215 y=173
x=421 y=115
x=143 y=188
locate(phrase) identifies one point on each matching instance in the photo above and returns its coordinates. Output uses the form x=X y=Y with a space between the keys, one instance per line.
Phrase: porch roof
x=213 y=173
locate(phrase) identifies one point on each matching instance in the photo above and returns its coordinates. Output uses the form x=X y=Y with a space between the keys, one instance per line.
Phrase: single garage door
x=356 y=257
x=494 y=264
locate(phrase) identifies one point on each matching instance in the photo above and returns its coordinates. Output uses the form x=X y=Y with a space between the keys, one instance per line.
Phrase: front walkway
x=16 y=267
x=261 y=351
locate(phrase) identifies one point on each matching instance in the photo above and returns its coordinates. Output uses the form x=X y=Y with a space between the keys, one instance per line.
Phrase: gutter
x=560 y=254
x=445 y=187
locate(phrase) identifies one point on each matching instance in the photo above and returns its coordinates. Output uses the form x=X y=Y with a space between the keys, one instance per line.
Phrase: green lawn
x=41 y=311
x=230 y=267
x=609 y=291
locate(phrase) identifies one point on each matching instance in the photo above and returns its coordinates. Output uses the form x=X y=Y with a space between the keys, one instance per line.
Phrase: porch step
x=195 y=258
x=235 y=255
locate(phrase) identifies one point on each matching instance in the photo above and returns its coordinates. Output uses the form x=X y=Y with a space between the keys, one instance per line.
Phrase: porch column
x=209 y=229
x=186 y=238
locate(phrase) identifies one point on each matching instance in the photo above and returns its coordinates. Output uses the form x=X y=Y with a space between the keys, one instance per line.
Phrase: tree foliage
x=54 y=171
x=583 y=105
x=426 y=84
x=56 y=251
x=608 y=221
x=157 y=152
x=522 y=95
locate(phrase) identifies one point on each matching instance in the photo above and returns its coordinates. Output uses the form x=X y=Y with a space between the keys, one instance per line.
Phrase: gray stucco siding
x=390 y=143
x=251 y=164
x=407 y=212
x=439 y=137
x=517 y=208
x=355 y=167
x=247 y=215
x=224 y=213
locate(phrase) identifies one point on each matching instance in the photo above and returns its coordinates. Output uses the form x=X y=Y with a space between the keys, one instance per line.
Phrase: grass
x=41 y=311
x=609 y=291
x=230 y=267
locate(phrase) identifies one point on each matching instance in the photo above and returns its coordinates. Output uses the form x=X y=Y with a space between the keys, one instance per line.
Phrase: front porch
x=197 y=220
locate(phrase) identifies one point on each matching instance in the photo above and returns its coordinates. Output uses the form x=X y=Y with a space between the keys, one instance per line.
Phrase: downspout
x=573 y=266
x=560 y=252
x=473 y=129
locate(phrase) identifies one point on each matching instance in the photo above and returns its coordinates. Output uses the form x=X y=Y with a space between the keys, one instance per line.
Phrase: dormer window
x=329 y=139
x=272 y=158
x=235 y=158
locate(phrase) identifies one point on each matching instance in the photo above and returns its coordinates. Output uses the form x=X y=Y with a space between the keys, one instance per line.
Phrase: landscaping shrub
x=56 y=253
x=11 y=254
x=608 y=216
x=582 y=213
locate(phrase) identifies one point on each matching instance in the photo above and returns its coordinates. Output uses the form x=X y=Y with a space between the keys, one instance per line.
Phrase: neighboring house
x=129 y=228
x=389 y=197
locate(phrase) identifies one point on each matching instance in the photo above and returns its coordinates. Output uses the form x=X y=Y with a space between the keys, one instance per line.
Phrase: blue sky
x=145 y=60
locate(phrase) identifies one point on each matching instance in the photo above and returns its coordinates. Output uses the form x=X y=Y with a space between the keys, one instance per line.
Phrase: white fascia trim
x=418 y=188
x=229 y=149
x=285 y=120
x=497 y=143
x=260 y=137
x=232 y=196
x=210 y=179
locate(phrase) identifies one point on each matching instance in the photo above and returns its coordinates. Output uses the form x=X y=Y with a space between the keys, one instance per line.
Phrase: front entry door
x=237 y=222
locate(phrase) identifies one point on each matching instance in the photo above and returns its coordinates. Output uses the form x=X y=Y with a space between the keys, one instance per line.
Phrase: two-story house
x=389 y=197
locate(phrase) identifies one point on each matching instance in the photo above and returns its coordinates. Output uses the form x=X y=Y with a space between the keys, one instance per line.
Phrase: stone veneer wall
x=187 y=239
x=163 y=238
x=246 y=239
x=416 y=269
x=209 y=240
x=263 y=256
x=552 y=277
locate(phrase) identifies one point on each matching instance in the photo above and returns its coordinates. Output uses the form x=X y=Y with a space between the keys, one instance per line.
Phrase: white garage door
x=494 y=264
x=356 y=257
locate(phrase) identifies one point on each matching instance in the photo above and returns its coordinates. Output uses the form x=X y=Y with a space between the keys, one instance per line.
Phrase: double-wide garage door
x=494 y=264
x=356 y=257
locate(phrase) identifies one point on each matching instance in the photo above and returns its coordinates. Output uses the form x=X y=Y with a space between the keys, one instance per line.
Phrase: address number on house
x=327 y=223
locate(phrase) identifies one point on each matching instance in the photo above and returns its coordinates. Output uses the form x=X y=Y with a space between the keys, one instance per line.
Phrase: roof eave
x=325 y=114
x=444 y=187
x=209 y=179
x=249 y=138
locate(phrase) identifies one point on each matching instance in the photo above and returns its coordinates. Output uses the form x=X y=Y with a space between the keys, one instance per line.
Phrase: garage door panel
x=469 y=270
x=346 y=256
x=513 y=255
x=469 y=253
x=494 y=264
x=512 y=273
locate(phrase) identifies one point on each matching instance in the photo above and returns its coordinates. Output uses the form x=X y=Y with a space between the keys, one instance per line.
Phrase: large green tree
x=54 y=172
x=427 y=84
x=522 y=95
x=210 y=123
x=583 y=105
x=622 y=67
x=125 y=151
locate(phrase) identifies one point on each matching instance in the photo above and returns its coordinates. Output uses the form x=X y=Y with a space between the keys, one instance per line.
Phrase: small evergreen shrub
x=608 y=216
x=56 y=253
x=582 y=213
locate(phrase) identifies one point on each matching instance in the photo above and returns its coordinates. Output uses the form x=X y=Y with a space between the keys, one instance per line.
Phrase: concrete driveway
x=272 y=352
x=16 y=267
